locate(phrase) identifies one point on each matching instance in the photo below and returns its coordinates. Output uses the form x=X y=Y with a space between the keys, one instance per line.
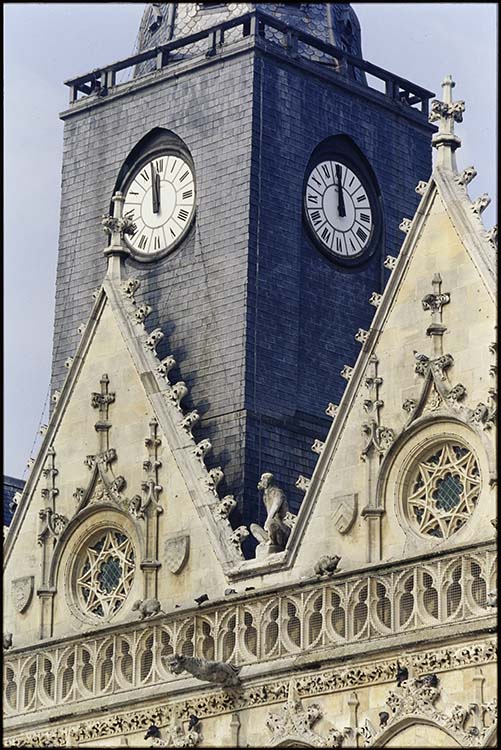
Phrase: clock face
x=339 y=209
x=160 y=200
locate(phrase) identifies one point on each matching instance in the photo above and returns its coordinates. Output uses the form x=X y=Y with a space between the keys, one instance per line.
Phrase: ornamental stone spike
x=117 y=226
x=492 y=235
x=447 y=113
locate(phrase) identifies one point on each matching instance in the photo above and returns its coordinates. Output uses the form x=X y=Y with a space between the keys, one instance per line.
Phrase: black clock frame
x=156 y=144
x=342 y=149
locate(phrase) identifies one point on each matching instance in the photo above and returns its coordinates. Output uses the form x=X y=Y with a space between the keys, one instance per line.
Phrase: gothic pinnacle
x=447 y=113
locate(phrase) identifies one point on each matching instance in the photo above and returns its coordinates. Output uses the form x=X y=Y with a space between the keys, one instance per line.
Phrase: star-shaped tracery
x=106 y=573
x=444 y=490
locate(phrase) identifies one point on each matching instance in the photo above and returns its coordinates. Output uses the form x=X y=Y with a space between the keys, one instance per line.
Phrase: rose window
x=444 y=490
x=105 y=573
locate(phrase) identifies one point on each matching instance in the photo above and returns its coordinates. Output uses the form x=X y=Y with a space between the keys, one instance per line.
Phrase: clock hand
x=340 y=198
x=154 y=190
x=157 y=189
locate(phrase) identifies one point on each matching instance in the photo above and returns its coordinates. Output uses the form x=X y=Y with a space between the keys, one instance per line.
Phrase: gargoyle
x=147 y=607
x=273 y=537
x=205 y=670
x=327 y=565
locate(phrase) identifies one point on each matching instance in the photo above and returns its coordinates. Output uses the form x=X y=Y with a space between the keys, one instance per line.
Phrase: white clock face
x=338 y=209
x=160 y=200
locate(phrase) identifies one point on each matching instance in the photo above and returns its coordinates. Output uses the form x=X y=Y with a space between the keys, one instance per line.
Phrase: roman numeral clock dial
x=340 y=211
x=160 y=200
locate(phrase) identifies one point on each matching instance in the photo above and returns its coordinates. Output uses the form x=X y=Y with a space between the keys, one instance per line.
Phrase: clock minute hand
x=340 y=198
x=155 y=191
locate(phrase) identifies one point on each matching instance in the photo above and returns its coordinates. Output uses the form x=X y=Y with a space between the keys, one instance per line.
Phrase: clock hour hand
x=340 y=197
x=155 y=190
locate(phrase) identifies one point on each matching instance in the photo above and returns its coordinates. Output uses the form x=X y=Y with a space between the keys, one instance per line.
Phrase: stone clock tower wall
x=259 y=321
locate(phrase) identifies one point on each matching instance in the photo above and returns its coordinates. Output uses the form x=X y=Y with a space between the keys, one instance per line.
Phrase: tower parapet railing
x=336 y=618
x=264 y=30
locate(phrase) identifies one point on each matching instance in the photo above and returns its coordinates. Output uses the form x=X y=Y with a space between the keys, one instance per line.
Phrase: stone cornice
x=206 y=704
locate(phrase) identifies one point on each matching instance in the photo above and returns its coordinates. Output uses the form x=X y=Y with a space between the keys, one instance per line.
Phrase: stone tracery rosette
x=105 y=573
x=443 y=490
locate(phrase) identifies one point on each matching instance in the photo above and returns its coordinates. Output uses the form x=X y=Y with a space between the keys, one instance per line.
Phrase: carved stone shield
x=22 y=591
x=344 y=512
x=176 y=553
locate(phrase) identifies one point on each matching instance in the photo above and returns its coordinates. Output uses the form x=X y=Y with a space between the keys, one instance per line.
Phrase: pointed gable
x=118 y=478
x=422 y=390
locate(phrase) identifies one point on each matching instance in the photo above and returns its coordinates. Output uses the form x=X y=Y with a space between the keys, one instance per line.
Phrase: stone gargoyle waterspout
x=208 y=671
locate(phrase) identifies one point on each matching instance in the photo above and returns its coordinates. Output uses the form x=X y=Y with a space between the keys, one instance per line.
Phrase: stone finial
x=190 y=420
x=202 y=448
x=117 y=226
x=375 y=299
x=434 y=302
x=153 y=339
x=466 y=176
x=237 y=537
x=405 y=225
x=302 y=483
x=215 y=477
x=421 y=187
x=331 y=410
x=390 y=262
x=178 y=391
x=318 y=446
x=166 y=365
x=361 y=336
x=142 y=313
x=492 y=235
x=447 y=113
x=226 y=506
x=480 y=204
x=130 y=287
x=346 y=372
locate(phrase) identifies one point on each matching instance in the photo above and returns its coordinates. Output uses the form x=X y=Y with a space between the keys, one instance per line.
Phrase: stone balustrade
x=349 y=608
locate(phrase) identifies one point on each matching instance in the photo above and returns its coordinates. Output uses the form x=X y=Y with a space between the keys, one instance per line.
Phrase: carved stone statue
x=203 y=669
x=273 y=537
x=327 y=565
x=147 y=607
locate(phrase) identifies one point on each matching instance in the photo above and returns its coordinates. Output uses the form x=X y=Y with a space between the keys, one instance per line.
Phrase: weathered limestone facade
x=123 y=570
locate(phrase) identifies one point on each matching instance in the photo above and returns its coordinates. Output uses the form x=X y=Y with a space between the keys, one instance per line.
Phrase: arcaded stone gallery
x=263 y=513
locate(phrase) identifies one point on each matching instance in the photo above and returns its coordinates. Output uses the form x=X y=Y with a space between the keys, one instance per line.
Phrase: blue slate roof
x=10 y=487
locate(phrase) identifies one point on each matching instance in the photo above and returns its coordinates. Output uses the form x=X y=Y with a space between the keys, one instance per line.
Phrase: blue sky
x=47 y=43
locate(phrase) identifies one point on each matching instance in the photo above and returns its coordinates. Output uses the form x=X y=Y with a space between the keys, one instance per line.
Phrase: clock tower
x=266 y=169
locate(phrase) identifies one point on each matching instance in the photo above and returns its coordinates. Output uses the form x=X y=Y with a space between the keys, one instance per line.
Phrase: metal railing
x=258 y=25
x=347 y=609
